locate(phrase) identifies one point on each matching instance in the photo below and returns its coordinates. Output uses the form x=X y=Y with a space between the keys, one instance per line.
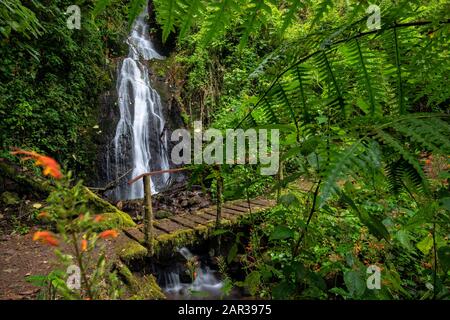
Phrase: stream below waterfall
x=193 y=279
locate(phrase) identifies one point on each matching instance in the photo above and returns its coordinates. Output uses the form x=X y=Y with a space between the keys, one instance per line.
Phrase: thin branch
x=311 y=213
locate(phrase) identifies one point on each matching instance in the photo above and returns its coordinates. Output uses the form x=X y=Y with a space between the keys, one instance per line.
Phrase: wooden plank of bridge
x=188 y=222
x=181 y=219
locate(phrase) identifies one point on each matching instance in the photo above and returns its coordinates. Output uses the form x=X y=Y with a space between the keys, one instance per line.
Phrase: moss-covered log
x=43 y=187
x=33 y=184
x=141 y=288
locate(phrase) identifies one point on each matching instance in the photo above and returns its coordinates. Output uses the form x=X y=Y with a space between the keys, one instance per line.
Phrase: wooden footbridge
x=177 y=231
x=159 y=236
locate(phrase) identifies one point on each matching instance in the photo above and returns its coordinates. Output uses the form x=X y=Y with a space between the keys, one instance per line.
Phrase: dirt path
x=21 y=257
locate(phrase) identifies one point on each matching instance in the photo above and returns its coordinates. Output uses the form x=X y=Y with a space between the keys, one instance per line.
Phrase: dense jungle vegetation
x=363 y=116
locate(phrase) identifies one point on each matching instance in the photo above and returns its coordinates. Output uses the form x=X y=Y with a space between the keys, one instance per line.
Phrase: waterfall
x=141 y=140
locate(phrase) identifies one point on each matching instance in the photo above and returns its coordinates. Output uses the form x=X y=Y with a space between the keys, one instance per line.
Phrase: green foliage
x=15 y=17
x=359 y=113
x=51 y=81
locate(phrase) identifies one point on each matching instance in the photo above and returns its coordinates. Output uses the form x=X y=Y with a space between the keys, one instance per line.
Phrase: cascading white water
x=141 y=140
x=205 y=281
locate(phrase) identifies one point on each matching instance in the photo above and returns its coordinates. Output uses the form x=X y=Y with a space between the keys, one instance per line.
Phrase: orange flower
x=99 y=218
x=45 y=237
x=51 y=167
x=108 y=234
x=84 y=245
x=43 y=214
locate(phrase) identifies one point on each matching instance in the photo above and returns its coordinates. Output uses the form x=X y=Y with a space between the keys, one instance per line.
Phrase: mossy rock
x=131 y=250
x=114 y=218
x=141 y=288
x=167 y=243
x=10 y=198
x=148 y=288
x=161 y=214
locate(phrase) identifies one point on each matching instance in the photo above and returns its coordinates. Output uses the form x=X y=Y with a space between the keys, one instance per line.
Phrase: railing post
x=148 y=214
x=219 y=193
x=280 y=179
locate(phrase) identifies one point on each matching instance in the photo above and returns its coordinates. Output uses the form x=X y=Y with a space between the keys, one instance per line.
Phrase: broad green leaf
x=289 y=200
x=282 y=290
x=281 y=233
x=219 y=232
x=252 y=282
x=376 y=227
x=37 y=280
x=233 y=252
x=405 y=239
x=425 y=244
x=355 y=283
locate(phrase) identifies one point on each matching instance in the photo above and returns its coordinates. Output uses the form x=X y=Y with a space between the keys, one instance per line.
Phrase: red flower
x=108 y=234
x=84 y=244
x=46 y=237
x=99 y=218
x=50 y=166
x=43 y=214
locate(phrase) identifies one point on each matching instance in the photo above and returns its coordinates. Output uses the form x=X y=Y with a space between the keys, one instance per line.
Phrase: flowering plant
x=76 y=237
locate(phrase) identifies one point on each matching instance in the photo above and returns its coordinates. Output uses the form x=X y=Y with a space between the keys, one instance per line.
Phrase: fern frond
x=400 y=173
x=342 y=164
x=293 y=7
x=393 y=143
x=252 y=20
x=268 y=112
x=394 y=173
x=401 y=102
x=194 y=9
x=219 y=15
x=328 y=77
x=302 y=80
x=168 y=13
x=135 y=9
x=362 y=62
x=323 y=8
x=421 y=133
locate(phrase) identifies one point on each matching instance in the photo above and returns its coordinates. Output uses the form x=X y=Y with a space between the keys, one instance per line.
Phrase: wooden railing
x=148 y=211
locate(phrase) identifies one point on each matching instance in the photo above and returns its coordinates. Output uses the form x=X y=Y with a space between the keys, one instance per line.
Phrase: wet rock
x=184 y=203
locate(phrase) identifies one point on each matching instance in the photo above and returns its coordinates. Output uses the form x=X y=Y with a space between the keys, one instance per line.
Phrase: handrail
x=147 y=203
x=152 y=173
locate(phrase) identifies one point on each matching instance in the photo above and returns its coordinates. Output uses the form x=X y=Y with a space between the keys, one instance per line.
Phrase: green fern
x=194 y=8
x=218 y=17
x=393 y=143
x=364 y=62
x=328 y=77
x=293 y=7
x=253 y=19
x=322 y=9
x=100 y=6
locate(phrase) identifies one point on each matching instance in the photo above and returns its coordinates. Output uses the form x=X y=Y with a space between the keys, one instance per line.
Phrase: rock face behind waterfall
x=112 y=164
